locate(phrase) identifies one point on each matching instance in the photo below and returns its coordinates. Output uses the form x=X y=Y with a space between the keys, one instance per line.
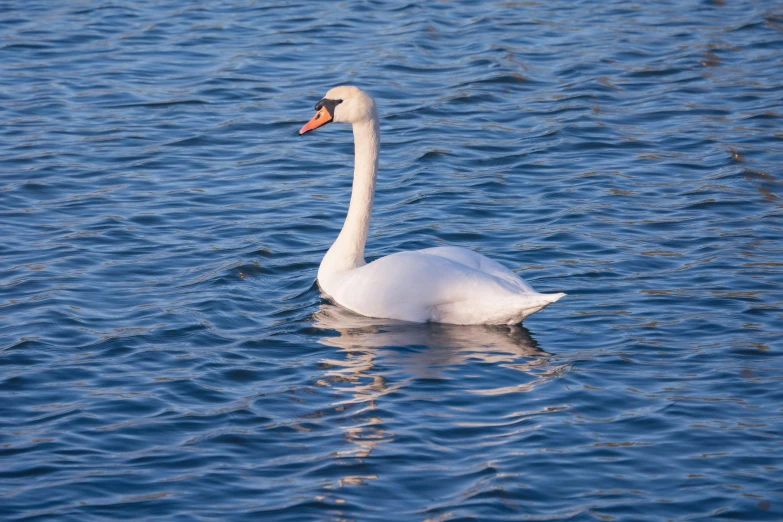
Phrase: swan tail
x=551 y=298
x=533 y=304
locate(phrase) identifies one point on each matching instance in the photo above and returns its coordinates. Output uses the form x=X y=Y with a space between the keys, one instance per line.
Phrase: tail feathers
x=533 y=304
x=539 y=301
x=551 y=298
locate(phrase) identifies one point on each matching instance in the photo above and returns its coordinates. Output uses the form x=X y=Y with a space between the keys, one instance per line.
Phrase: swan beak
x=322 y=117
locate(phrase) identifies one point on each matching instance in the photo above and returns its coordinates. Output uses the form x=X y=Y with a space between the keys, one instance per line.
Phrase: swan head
x=347 y=104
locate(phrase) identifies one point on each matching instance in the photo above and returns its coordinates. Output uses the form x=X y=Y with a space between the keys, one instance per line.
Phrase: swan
x=442 y=284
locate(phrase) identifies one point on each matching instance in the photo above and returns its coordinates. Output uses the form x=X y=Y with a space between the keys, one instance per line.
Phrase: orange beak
x=322 y=117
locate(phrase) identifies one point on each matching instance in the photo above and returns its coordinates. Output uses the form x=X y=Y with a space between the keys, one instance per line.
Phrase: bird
x=444 y=284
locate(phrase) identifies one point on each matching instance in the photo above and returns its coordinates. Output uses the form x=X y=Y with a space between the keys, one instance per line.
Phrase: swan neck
x=348 y=250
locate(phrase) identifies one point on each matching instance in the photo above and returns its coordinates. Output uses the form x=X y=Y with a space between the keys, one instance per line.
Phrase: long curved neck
x=347 y=252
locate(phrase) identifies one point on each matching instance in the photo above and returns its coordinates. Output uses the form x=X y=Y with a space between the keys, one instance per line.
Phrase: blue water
x=166 y=355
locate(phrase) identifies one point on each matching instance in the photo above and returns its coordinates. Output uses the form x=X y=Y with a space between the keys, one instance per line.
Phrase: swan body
x=443 y=284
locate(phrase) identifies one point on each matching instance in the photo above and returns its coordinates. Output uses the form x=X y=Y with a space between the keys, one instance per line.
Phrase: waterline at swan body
x=443 y=284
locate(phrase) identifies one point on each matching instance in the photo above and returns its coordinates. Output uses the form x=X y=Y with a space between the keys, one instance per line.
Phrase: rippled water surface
x=165 y=353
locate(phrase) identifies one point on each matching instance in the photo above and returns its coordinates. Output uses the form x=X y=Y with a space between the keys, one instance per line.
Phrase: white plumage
x=444 y=284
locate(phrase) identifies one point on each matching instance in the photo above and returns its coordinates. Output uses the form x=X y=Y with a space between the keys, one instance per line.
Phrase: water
x=166 y=354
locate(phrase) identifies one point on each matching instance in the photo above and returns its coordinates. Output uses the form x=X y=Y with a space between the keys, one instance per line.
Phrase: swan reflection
x=404 y=352
x=411 y=350
x=428 y=346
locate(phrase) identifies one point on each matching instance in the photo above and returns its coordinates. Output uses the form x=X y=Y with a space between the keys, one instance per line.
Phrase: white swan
x=443 y=284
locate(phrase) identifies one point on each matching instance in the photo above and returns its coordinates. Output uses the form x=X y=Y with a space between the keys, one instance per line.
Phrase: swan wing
x=481 y=263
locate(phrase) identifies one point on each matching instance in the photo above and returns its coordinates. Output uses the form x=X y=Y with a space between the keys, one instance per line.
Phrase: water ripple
x=167 y=355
